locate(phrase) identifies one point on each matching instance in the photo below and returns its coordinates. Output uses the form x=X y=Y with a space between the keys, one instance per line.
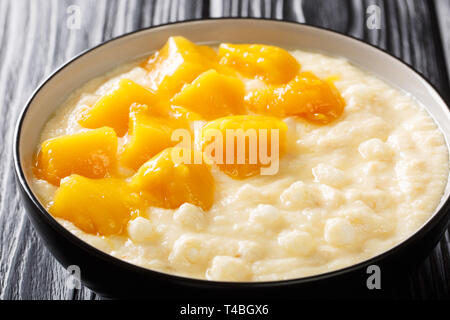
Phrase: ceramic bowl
x=112 y=277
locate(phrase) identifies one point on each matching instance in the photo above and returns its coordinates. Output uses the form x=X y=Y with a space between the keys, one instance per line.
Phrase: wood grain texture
x=35 y=39
x=443 y=13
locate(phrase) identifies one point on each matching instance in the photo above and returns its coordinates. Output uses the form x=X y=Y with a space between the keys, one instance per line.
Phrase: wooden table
x=38 y=36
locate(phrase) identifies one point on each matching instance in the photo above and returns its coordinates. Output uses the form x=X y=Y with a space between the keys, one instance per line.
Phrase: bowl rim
x=91 y=250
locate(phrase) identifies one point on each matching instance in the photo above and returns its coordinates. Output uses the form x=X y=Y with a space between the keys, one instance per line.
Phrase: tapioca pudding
x=336 y=165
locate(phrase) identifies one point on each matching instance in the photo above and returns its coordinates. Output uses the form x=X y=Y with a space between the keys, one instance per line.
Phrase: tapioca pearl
x=330 y=197
x=367 y=222
x=356 y=96
x=188 y=250
x=45 y=190
x=376 y=127
x=412 y=223
x=388 y=95
x=419 y=122
x=248 y=192
x=372 y=127
x=415 y=169
x=250 y=250
x=326 y=252
x=296 y=242
x=297 y=195
x=375 y=149
x=339 y=232
x=190 y=217
x=411 y=189
x=421 y=213
x=351 y=131
x=98 y=242
x=155 y=264
x=300 y=195
x=250 y=229
x=373 y=198
x=141 y=229
x=358 y=214
x=372 y=168
x=72 y=119
x=226 y=268
x=428 y=138
x=266 y=215
x=382 y=226
x=400 y=141
x=338 y=158
x=434 y=138
x=329 y=175
x=272 y=189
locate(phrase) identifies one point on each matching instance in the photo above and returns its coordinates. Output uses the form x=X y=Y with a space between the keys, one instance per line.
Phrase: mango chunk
x=147 y=136
x=173 y=177
x=318 y=101
x=212 y=95
x=113 y=108
x=268 y=63
x=243 y=145
x=91 y=154
x=100 y=207
x=177 y=63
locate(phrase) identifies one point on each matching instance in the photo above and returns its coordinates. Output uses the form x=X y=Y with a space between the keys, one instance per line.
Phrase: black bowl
x=111 y=277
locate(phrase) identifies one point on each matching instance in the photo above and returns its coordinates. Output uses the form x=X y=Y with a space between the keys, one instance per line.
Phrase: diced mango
x=96 y=206
x=189 y=83
x=147 y=136
x=91 y=154
x=307 y=96
x=167 y=180
x=242 y=142
x=212 y=95
x=177 y=63
x=268 y=63
x=113 y=108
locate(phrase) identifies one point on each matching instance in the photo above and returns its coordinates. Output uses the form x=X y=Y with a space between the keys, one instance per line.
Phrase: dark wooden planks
x=21 y=70
x=35 y=40
x=443 y=14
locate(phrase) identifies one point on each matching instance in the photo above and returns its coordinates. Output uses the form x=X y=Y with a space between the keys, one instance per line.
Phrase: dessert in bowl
x=351 y=165
x=362 y=166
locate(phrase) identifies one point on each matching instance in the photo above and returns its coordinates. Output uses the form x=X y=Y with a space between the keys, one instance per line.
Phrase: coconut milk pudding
x=359 y=165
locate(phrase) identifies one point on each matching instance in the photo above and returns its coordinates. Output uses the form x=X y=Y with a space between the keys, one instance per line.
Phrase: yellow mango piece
x=239 y=140
x=91 y=154
x=268 y=63
x=113 y=108
x=148 y=136
x=168 y=181
x=179 y=62
x=212 y=95
x=318 y=101
x=100 y=207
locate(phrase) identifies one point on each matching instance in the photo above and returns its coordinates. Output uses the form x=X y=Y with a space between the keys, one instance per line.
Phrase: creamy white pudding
x=344 y=192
